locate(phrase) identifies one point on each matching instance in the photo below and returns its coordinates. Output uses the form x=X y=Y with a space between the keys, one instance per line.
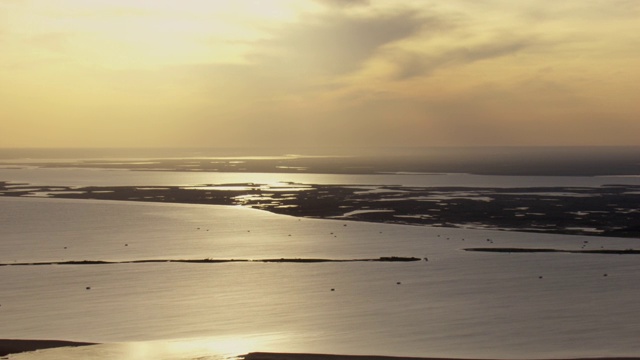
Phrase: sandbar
x=299 y=356
x=12 y=346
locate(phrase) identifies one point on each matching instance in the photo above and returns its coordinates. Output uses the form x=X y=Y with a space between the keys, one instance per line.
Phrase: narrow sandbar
x=294 y=356
x=12 y=346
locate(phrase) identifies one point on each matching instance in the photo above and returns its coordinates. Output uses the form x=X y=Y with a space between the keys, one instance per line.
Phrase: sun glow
x=145 y=34
x=116 y=73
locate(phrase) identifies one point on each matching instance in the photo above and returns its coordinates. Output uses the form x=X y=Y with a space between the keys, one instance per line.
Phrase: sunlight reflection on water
x=457 y=304
x=202 y=348
x=87 y=177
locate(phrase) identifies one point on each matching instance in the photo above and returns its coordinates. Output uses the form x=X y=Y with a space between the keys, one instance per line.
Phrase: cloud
x=594 y=10
x=530 y=112
x=336 y=43
x=309 y=55
x=344 y=3
x=410 y=65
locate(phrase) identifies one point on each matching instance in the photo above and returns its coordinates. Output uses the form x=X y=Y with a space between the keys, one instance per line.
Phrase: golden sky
x=169 y=73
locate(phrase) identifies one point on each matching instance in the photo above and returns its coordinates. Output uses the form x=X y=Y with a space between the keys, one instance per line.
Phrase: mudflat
x=595 y=211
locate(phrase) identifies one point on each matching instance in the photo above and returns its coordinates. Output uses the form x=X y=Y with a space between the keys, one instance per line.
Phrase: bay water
x=452 y=303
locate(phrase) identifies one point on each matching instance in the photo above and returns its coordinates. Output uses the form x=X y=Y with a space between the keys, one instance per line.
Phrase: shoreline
x=609 y=211
x=305 y=356
x=15 y=346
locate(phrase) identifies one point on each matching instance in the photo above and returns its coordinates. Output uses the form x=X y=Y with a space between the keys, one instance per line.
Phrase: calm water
x=458 y=304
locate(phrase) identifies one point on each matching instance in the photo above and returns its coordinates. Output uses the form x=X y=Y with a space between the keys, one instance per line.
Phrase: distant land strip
x=518 y=161
x=531 y=250
x=11 y=346
x=297 y=356
x=213 y=261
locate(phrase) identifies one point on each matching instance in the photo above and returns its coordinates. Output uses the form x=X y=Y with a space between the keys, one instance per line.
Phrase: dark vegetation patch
x=596 y=211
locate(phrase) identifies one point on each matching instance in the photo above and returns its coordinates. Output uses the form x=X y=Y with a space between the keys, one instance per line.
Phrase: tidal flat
x=599 y=211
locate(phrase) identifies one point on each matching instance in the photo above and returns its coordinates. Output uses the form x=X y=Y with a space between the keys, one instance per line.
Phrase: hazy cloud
x=411 y=65
x=309 y=55
x=336 y=43
x=344 y=3
x=597 y=10
x=483 y=115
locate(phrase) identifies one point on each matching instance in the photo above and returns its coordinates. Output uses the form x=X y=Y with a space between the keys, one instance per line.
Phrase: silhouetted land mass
x=17 y=346
x=599 y=211
x=301 y=356
x=530 y=250
x=214 y=261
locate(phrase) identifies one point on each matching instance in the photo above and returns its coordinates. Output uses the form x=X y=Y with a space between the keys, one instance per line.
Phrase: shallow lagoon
x=457 y=304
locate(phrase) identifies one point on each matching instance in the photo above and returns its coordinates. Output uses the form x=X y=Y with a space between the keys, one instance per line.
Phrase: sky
x=319 y=73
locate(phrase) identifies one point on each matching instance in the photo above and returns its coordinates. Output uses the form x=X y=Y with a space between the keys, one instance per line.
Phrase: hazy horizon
x=187 y=151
